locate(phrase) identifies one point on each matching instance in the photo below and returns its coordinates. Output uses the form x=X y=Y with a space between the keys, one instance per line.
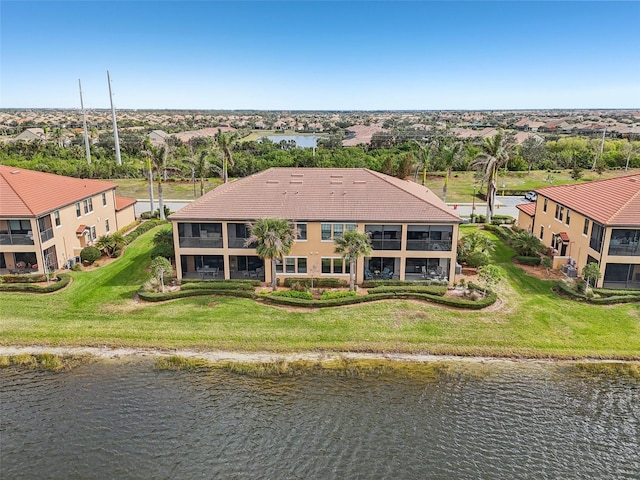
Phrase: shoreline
x=220 y=356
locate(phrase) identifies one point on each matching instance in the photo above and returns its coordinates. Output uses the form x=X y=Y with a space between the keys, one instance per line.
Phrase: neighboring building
x=31 y=134
x=48 y=219
x=591 y=222
x=158 y=137
x=412 y=231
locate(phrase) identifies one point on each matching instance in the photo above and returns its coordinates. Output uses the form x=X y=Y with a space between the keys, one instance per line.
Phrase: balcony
x=16 y=239
x=385 y=244
x=238 y=242
x=629 y=250
x=46 y=235
x=200 y=242
x=426 y=245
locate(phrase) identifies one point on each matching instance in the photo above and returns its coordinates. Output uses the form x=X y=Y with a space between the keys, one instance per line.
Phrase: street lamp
x=473 y=205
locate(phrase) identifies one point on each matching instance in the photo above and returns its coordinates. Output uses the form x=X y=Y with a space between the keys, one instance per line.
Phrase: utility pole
x=84 y=125
x=115 y=124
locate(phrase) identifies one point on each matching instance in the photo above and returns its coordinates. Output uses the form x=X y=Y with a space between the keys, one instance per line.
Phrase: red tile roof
x=81 y=229
x=25 y=193
x=564 y=236
x=529 y=208
x=124 y=202
x=320 y=194
x=615 y=201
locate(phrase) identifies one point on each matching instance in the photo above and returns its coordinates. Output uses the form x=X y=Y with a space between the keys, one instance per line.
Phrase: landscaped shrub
x=160 y=297
x=432 y=290
x=408 y=283
x=528 y=260
x=24 y=278
x=142 y=228
x=293 y=294
x=328 y=295
x=218 y=285
x=55 y=284
x=478 y=259
x=90 y=254
x=317 y=282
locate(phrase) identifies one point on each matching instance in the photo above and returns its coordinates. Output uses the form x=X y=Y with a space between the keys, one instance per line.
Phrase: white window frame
x=281 y=267
x=104 y=199
x=346 y=227
x=56 y=219
x=345 y=266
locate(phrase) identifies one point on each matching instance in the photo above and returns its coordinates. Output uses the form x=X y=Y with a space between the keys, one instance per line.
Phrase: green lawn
x=530 y=321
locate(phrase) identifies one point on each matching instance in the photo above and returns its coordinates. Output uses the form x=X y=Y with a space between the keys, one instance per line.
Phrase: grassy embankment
x=460 y=189
x=98 y=309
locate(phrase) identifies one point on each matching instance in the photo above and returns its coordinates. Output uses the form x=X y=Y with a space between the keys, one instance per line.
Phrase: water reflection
x=122 y=419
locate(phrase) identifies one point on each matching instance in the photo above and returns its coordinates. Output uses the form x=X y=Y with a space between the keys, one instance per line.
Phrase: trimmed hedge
x=615 y=297
x=62 y=281
x=32 y=278
x=431 y=290
x=527 y=260
x=142 y=228
x=161 y=297
x=239 y=283
x=292 y=294
x=217 y=286
x=317 y=282
x=334 y=302
x=398 y=283
x=328 y=295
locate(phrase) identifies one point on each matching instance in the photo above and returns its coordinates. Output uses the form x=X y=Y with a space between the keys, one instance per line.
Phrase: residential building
x=595 y=221
x=31 y=134
x=46 y=219
x=412 y=231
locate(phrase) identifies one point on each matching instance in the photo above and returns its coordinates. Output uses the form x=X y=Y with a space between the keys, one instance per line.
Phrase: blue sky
x=321 y=55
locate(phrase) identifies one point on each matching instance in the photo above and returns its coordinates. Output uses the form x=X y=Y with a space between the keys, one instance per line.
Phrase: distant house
x=158 y=137
x=596 y=221
x=48 y=219
x=412 y=231
x=31 y=134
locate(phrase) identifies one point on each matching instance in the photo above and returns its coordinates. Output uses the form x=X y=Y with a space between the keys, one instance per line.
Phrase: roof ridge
x=381 y=177
x=587 y=182
x=14 y=190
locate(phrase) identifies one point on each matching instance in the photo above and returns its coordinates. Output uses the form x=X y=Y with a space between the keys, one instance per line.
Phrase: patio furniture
x=367 y=274
x=208 y=271
x=387 y=274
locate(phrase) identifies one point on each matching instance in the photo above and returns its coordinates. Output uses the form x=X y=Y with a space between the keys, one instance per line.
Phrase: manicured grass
x=98 y=309
x=179 y=190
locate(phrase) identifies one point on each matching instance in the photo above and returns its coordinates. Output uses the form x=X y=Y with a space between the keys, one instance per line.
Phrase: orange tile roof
x=26 y=193
x=615 y=201
x=564 y=236
x=320 y=194
x=528 y=208
x=124 y=202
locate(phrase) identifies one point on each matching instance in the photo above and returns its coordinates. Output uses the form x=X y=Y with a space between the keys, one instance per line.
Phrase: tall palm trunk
x=352 y=275
x=274 y=280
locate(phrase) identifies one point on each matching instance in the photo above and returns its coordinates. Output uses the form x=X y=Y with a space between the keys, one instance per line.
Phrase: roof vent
x=336 y=182
x=295 y=181
x=13 y=172
x=275 y=182
x=359 y=182
x=336 y=176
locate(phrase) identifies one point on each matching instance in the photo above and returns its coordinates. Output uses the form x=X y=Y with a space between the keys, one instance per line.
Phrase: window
x=335 y=230
x=78 y=213
x=106 y=225
x=56 y=218
x=88 y=205
x=559 y=212
x=294 y=265
x=302 y=231
x=19 y=226
x=585 y=229
x=93 y=233
x=336 y=266
x=568 y=219
x=544 y=206
x=104 y=199
x=541 y=232
x=597 y=232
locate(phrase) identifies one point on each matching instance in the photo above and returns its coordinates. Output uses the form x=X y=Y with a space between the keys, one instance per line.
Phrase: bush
x=328 y=295
x=218 y=285
x=76 y=267
x=432 y=290
x=528 y=260
x=90 y=254
x=293 y=294
x=397 y=283
x=478 y=259
x=55 y=284
x=142 y=228
x=317 y=282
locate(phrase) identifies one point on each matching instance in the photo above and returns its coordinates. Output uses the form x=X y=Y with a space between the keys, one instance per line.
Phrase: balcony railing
x=200 y=242
x=46 y=235
x=238 y=242
x=631 y=250
x=16 y=239
x=425 y=245
x=385 y=244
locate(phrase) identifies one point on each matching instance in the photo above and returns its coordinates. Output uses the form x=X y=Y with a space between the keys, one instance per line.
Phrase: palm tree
x=273 y=238
x=157 y=157
x=449 y=156
x=494 y=154
x=351 y=246
x=225 y=144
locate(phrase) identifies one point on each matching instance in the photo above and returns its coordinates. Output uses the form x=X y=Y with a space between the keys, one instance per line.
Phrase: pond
x=124 y=419
x=302 y=141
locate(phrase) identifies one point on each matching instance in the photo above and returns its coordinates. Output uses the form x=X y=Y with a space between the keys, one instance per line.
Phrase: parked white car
x=531 y=196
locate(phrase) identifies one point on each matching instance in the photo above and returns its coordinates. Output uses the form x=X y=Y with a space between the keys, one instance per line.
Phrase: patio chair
x=367 y=274
x=387 y=274
x=424 y=271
